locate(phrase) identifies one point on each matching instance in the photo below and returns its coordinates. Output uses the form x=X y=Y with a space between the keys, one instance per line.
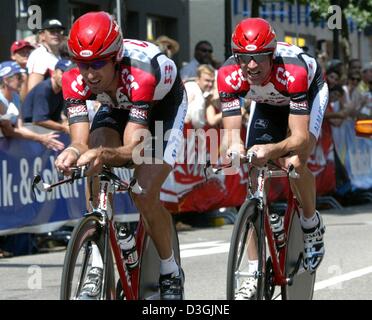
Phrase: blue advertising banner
x=20 y=211
x=355 y=154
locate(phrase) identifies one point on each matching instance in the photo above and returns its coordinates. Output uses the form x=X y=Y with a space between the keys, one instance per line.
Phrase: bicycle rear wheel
x=247 y=232
x=302 y=287
x=78 y=259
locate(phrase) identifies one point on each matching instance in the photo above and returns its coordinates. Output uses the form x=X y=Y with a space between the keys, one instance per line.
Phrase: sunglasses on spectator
x=247 y=58
x=355 y=79
x=205 y=50
x=95 y=65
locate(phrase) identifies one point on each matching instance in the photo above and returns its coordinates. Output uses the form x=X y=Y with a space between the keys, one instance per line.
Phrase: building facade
x=187 y=21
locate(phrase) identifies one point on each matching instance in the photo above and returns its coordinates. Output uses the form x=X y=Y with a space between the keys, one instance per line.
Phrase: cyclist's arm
x=231 y=126
x=298 y=139
x=133 y=137
x=213 y=118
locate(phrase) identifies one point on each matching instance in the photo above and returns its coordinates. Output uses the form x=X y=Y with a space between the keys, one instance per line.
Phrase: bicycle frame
x=129 y=279
x=108 y=184
x=278 y=256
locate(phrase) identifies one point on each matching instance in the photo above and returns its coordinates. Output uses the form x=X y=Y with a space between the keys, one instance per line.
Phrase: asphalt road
x=346 y=271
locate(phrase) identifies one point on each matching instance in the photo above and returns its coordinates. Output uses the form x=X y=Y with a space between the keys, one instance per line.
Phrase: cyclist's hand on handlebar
x=92 y=158
x=65 y=161
x=262 y=154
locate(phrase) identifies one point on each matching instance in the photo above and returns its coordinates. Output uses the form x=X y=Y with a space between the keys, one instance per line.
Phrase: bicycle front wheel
x=302 y=287
x=87 y=234
x=247 y=244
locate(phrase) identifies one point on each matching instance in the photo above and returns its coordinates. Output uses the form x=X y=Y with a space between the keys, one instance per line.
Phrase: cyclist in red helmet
x=289 y=97
x=138 y=87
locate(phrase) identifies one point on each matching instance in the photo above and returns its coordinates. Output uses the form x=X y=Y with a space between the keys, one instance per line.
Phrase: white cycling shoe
x=314 y=245
x=247 y=290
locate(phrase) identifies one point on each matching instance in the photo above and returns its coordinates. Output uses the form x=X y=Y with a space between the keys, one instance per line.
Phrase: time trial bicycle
x=98 y=228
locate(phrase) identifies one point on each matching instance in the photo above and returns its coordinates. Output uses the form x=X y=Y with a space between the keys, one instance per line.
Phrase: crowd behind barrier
x=22 y=211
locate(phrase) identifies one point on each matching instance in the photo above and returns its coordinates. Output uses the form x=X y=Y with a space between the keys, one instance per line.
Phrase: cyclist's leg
x=166 y=126
x=305 y=188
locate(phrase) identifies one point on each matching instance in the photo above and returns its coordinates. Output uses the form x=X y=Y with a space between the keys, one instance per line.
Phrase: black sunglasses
x=247 y=58
x=205 y=50
x=355 y=79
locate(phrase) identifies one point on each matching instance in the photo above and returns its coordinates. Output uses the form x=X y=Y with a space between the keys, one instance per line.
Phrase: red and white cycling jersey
x=293 y=73
x=146 y=76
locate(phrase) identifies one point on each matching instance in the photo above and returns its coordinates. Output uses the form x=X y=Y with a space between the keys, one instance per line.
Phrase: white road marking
x=342 y=278
x=216 y=247
x=203 y=248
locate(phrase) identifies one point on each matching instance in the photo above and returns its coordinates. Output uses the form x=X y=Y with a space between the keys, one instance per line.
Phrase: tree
x=360 y=11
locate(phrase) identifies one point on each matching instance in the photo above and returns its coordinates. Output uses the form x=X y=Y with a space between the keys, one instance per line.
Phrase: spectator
x=366 y=105
x=335 y=112
x=11 y=126
x=42 y=60
x=19 y=52
x=332 y=78
x=354 y=66
x=202 y=55
x=366 y=78
x=167 y=45
x=198 y=92
x=44 y=103
x=353 y=97
x=337 y=66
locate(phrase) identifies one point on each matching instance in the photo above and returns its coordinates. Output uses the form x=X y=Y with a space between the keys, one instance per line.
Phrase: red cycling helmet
x=95 y=35
x=253 y=35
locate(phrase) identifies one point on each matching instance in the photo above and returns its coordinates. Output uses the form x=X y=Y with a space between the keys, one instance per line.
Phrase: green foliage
x=359 y=10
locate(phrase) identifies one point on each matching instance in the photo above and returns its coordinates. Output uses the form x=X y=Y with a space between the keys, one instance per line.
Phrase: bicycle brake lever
x=292 y=172
x=135 y=187
x=38 y=183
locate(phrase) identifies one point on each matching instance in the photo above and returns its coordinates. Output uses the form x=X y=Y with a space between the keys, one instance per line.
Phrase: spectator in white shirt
x=199 y=92
x=42 y=60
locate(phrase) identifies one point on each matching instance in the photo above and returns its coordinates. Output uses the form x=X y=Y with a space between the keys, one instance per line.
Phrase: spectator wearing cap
x=10 y=84
x=10 y=124
x=19 y=52
x=42 y=60
x=43 y=105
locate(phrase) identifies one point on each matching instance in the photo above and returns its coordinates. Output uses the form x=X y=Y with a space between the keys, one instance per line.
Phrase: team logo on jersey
x=261 y=124
x=251 y=47
x=265 y=137
x=230 y=105
x=235 y=79
x=129 y=81
x=283 y=76
x=86 y=53
x=78 y=86
x=168 y=74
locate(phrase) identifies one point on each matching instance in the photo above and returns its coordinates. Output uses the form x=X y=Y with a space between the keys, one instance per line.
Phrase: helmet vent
x=91 y=41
